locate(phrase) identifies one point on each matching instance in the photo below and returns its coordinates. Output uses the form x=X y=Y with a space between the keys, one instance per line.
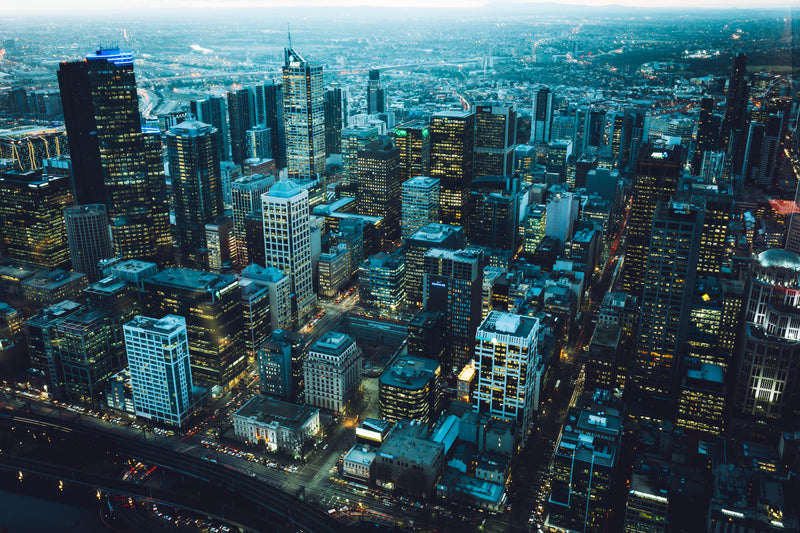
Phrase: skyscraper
x=269 y=112
x=213 y=110
x=304 y=117
x=161 y=376
x=414 y=141
x=706 y=136
x=335 y=119
x=194 y=168
x=420 y=204
x=332 y=371
x=246 y=195
x=287 y=241
x=666 y=299
x=417 y=245
x=258 y=141
x=31 y=218
x=656 y=180
x=102 y=117
x=509 y=368
x=241 y=118
x=379 y=186
x=733 y=133
x=452 y=162
x=375 y=96
x=452 y=284
x=88 y=238
x=353 y=139
x=495 y=139
x=211 y=305
x=767 y=374
x=542 y=116
x=632 y=133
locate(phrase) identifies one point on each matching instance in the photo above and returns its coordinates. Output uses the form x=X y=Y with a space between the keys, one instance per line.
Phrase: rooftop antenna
x=289 y=31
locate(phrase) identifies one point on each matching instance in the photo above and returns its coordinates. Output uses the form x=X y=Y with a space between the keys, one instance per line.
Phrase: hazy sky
x=81 y=5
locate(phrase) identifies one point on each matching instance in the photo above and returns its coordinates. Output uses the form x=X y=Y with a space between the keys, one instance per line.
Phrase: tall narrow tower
x=452 y=162
x=287 y=241
x=304 y=116
x=194 y=168
x=101 y=113
x=375 y=97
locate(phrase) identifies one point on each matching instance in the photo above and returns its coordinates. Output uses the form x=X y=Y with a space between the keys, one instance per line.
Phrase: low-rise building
x=357 y=463
x=409 y=463
x=279 y=425
x=410 y=389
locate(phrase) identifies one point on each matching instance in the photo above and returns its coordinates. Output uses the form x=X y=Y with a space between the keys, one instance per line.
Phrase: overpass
x=205 y=487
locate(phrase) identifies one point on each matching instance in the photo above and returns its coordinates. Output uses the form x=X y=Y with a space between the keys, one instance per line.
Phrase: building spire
x=289 y=31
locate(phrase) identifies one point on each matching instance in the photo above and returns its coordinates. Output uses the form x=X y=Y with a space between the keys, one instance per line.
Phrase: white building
x=279 y=425
x=246 y=195
x=357 y=463
x=507 y=360
x=161 y=376
x=420 y=204
x=332 y=371
x=287 y=240
x=562 y=212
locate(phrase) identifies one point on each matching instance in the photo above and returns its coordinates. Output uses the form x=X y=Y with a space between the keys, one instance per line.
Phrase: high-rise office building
x=275 y=368
x=410 y=389
x=706 y=136
x=88 y=238
x=542 y=115
x=269 y=112
x=452 y=284
x=632 y=133
x=116 y=166
x=733 y=131
x=332 y=371
x=287 y=241
x=246 y=195
x=376 y=102
x=413 y=138
x=509 y=368
x=194 y=168
x=280 y=292
x=495 y=139
x=657 y=174
x=259 y=142
x=32 y=226
x=220 y=246
x=161 y=374
x=211 y=305
x=585 y=458
x=378 y=192
x=382 y=281
x=767 y=374
x=669 y=281
x=420 y=204
x=87 y=354
x=353 y=139
x=241 y=118
x=418 y=243
x=558 y=154
x=452 y=162
x=335 y=119
x=213 y=110
x=303 y=114
x=494 y=220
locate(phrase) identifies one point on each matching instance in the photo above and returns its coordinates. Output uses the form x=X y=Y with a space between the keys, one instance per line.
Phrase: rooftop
x=163 y=326
x=266 y=410
x=333 y=343
x=504 y=323
x=780 y=258
x=196 y=280
x=410 y=372
x=404 y=443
